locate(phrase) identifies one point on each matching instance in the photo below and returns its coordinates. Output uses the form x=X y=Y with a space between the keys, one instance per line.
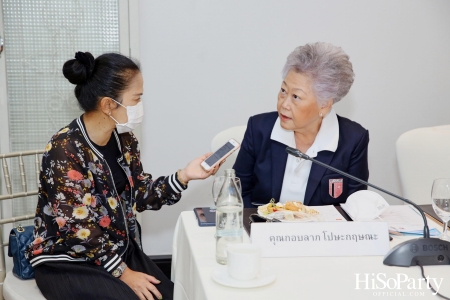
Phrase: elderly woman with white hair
x=315 y=77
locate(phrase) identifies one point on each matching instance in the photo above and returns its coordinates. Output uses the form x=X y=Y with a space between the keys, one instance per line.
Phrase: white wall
x=209 y=65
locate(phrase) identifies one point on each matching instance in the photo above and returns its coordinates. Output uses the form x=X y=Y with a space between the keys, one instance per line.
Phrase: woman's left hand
x=194 y=170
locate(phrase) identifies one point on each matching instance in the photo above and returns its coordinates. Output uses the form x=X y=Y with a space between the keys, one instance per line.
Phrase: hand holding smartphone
x=222 y=153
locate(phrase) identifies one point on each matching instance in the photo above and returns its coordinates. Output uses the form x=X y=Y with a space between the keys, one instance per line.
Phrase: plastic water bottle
x=229 y=222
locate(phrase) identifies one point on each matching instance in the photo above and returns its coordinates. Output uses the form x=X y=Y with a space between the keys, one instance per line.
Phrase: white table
x=297 y=278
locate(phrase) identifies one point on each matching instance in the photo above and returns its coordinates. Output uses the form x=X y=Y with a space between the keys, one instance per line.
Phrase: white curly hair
x=326 y=65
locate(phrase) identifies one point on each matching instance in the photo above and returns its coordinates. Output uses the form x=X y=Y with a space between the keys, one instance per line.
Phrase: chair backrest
x=423 y=154
x=11 y=195
x=237 y=133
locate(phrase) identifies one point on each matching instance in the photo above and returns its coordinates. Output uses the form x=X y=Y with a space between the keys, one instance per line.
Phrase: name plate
x=321 y=238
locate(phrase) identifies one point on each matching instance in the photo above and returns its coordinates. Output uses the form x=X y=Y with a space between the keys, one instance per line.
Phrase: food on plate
x=293 y=205
x=290 y=206
x=298 y=206
x=270 y=208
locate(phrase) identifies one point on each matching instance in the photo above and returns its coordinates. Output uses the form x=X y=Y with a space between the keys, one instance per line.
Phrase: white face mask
x=365 y=205
x=134 y=113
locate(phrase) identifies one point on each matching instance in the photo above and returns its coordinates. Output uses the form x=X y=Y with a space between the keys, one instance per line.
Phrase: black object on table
x=206 y=216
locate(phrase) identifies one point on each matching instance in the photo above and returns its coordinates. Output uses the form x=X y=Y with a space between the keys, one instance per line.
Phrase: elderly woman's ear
x=325 y=108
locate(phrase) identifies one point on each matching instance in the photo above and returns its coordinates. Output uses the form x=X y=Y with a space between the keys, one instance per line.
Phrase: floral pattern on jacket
x=79 y=216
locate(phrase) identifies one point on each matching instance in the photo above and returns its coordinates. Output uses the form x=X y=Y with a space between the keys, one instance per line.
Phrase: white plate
x=221 y=276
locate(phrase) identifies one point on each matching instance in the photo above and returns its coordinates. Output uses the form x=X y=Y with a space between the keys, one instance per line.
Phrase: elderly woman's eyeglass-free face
x=297 y=104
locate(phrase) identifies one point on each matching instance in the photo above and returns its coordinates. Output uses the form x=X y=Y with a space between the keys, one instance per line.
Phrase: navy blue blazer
x=261 y=163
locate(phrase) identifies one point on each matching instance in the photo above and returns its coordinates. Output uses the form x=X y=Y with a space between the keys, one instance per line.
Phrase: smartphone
x=220 y=154
x=206 y=216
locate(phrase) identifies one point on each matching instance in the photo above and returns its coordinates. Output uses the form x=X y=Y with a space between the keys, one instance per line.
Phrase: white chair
x=423 y=154
x=11 y=287
x=237 y=133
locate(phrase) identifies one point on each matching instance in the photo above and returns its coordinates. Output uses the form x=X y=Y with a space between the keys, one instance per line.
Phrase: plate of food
x=290 y=211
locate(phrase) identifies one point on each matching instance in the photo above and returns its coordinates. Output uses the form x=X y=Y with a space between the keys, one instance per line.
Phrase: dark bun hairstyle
x=108 y=75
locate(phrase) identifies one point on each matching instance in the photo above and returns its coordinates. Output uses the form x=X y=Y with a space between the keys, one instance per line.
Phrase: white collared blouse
x=297 y=170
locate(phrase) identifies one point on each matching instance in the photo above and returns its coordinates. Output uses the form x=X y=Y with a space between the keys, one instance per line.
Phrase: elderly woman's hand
x=194 y=170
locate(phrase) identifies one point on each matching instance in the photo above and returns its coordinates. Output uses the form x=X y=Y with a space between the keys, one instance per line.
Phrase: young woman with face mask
x=87 y=239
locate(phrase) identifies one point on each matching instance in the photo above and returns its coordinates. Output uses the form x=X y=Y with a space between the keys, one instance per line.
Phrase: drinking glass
x=218 y=183
x=440 y=199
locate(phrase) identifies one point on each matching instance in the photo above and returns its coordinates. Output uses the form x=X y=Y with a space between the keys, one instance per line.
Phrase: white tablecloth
x=193 y=260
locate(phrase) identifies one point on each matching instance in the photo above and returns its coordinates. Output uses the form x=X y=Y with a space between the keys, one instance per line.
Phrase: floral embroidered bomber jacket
x=79 y=215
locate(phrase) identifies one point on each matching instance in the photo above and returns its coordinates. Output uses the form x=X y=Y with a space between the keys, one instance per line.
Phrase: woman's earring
x=321 y=115
x=109 y=113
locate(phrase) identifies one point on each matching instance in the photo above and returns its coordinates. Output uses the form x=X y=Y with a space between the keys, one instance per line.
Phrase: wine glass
x=218 y=183
x=440 y=199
